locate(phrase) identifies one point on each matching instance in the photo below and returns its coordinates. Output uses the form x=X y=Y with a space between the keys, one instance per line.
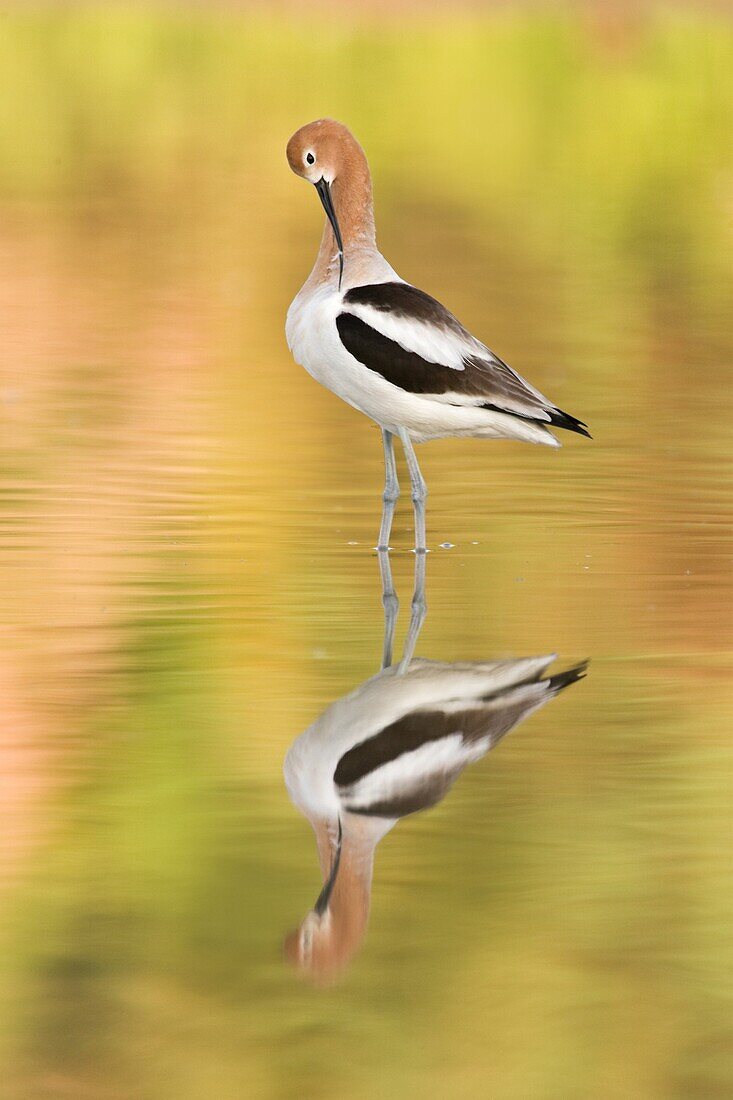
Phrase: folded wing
x=412 y=763
x=415 y=343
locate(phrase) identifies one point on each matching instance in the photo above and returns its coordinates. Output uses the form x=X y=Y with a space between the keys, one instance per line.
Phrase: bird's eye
x=310 y=158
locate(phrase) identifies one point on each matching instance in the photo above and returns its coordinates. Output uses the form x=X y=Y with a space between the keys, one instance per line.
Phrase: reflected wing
x=412 y=763
x=415 y=343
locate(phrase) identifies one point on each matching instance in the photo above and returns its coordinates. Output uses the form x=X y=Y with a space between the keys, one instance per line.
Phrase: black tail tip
x=564 y=679
x=560 y=419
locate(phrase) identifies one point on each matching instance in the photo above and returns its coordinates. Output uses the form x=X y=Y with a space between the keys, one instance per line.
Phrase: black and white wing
x=415 y=343
x=412 y=763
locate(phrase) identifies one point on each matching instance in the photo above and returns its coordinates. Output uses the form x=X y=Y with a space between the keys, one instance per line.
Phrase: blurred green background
x=186 y=565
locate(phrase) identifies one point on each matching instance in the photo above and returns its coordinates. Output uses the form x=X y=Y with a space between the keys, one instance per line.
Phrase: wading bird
x=392 y=747
x=387 y=348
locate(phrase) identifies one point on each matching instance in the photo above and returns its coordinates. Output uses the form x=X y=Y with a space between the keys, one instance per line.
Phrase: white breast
x=315 y=343
x=311 y=331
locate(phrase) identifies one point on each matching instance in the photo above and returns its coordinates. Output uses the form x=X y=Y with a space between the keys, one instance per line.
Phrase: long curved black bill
x=324 y=193
x=325 y=895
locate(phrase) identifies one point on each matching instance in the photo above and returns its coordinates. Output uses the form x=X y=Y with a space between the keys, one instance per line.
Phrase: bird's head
x=315 y=949
x=326 y=154
x=324 y=149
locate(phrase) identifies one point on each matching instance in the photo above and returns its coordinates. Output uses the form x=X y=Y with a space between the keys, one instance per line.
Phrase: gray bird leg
x=391 y=605
x=391 y=490
x=418 y=611
x=419 y=491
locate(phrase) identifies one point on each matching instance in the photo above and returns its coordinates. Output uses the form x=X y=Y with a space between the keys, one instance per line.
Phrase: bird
x=392 y=747
x=389 y=349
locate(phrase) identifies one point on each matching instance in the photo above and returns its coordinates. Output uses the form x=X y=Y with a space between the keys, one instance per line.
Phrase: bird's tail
x=564 y=679
x=560 y=419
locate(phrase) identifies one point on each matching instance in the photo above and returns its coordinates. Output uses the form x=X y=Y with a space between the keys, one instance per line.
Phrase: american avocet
x=392 y=747
x=387 y=348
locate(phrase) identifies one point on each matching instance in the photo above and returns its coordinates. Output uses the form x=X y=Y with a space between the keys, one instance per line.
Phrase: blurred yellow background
x=186 y=564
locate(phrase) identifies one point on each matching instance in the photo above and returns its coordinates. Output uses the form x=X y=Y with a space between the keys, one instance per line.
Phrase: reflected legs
x=418 y=611
x=390 y=603
x=391 y=490
x=419 y=491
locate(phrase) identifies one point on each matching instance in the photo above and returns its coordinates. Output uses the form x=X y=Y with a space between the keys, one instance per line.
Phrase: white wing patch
x=434 y=343
x=388 y=782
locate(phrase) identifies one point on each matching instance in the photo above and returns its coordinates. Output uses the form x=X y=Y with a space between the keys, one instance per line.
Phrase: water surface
x=188 y=576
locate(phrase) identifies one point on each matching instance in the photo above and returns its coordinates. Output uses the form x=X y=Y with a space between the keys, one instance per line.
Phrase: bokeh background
x=187 y=574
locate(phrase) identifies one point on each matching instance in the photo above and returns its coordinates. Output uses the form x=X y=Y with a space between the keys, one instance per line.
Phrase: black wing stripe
x=404 y=300
x=405 y=369
x=404 y=735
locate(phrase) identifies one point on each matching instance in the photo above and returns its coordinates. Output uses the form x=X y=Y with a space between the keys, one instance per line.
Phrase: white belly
x=315 y=343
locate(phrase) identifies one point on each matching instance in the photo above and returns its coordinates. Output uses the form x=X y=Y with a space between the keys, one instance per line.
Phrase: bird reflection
x=394 y=746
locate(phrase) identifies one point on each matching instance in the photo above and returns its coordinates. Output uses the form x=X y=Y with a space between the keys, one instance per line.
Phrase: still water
x=188 y=579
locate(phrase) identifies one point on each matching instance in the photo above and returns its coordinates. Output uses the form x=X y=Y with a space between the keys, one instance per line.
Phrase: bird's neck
x=351 y=193
x=349 y=903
